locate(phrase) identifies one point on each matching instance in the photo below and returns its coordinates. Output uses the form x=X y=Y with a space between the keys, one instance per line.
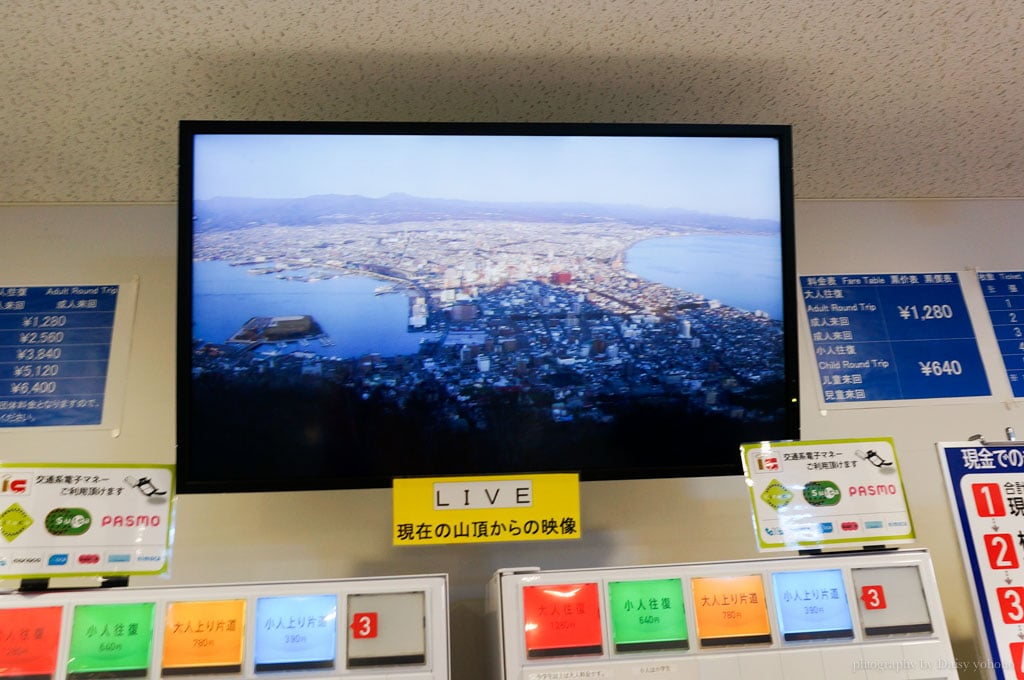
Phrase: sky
x=717 y=175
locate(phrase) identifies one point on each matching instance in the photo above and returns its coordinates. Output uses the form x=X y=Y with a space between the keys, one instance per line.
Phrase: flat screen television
x=360 y=301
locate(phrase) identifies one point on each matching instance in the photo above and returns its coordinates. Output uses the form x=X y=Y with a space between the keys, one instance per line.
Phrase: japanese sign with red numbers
x=985 y=482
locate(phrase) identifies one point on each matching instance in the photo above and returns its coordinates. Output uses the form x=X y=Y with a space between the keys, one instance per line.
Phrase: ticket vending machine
x=870 y=614
x=393 y=628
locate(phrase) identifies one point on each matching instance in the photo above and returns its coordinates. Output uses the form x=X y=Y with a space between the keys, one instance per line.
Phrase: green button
x=648 y=615
x=111 y=638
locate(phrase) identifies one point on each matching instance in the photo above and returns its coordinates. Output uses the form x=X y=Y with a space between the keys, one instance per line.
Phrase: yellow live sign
x=488 y=509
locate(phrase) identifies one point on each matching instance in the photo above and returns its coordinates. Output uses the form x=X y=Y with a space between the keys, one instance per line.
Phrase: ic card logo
x=776 y=495
x=822 y=493
x=14 y=484
x=767 y=462
x=14 y=521
x=58 y=560
x=68 y=521
x=89 y=558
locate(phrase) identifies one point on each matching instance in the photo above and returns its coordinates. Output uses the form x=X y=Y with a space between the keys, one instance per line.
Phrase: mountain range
x=231 y=213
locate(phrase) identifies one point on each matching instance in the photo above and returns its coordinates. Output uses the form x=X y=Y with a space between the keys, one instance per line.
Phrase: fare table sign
x=985 y=482
x=885 y=337
x=1004 y=297
x=489 y=509
x=55 y=344
x=84 y=520
x=841 y=492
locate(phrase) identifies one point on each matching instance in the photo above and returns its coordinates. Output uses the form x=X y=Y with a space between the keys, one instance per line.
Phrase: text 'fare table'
x=879 y=337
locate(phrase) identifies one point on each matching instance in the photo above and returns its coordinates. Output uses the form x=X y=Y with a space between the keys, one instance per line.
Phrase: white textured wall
x=909 y=99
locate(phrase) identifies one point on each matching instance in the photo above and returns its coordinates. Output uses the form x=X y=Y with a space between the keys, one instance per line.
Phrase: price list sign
x=54 y=354
x=986 y=488
x=881 y=337
x=1004 y=297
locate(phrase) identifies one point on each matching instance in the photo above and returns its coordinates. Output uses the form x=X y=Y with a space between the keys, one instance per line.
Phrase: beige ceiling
x=887 y=98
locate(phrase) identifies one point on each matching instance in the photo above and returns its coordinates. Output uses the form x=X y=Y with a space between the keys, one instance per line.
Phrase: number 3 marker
x=364 y=625
x=873 y=597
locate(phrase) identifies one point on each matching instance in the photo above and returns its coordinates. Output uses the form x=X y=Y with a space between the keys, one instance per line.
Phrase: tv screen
x=362 y=301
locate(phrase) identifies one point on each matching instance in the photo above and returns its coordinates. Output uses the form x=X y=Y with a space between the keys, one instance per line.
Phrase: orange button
x=204 y=635
x=562 y=620
x=731 y=610
x=28 y=641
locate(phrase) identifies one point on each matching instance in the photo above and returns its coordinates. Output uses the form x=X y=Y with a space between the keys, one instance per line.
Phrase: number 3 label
x=873 y=597
x=364 y=625
x=1011 y=604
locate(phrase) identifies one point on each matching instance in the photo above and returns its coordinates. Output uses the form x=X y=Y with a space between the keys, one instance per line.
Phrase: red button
x=562 y=620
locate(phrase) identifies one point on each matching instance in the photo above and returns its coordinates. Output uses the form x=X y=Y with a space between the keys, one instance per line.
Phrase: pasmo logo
x=130 y=521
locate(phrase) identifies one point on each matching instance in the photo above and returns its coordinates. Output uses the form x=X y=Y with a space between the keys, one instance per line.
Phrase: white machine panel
x=393 y=628
x=850 y=616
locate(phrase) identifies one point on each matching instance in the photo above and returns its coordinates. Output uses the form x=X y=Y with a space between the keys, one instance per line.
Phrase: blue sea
x=357 y=321
x=739 y=271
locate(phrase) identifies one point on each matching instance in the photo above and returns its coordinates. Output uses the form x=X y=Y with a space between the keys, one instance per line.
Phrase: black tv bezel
x=188 y=483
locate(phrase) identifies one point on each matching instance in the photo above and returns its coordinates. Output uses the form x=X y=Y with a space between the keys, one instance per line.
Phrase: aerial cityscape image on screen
x=366 y=306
